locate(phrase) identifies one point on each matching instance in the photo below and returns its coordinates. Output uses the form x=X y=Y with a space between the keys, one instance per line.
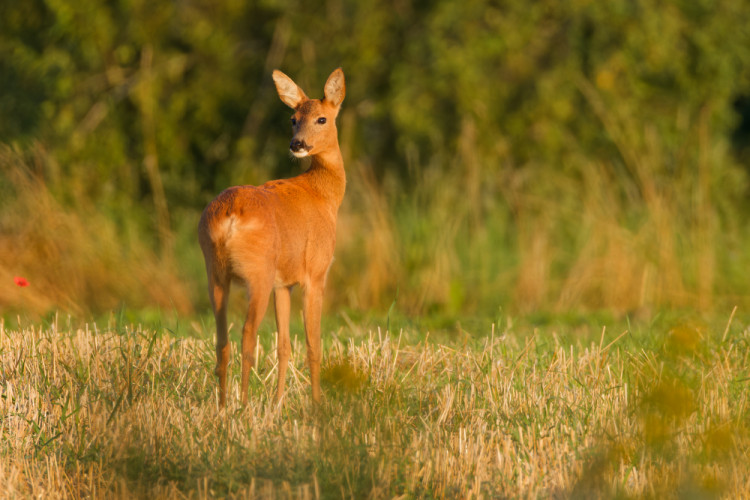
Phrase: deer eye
x=322 y=120
x=294 y=121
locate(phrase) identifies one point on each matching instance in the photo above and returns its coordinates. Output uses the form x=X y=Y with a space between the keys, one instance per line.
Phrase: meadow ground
x=509 y=411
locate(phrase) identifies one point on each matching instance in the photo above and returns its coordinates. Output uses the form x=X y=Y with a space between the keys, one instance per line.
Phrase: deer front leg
x=284 y=347
x=312 y=309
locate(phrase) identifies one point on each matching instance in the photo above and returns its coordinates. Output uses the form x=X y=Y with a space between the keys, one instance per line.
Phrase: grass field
x=512 y=410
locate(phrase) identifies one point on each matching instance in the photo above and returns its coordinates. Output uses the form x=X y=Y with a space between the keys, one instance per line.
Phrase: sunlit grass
x=513 y=411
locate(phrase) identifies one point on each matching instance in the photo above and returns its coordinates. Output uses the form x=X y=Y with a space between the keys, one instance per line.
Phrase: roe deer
x=277 y=235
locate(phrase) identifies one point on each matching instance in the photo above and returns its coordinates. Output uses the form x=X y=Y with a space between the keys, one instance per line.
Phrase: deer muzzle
x=299 y=148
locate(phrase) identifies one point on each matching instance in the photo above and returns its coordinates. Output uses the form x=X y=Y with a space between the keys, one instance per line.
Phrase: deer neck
x=327 y=177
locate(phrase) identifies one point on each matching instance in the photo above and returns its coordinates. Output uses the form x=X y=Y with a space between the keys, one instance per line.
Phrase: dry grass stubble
x=90 y=413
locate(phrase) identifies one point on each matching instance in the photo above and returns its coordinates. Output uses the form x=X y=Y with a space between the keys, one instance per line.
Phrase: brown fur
x=277 y=235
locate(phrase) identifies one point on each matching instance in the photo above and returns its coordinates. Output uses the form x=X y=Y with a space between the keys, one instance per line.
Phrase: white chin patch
x=300 y=154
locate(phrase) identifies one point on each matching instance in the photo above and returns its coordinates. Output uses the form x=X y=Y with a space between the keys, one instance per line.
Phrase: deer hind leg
x=282 y=298
x=218 y=291
x=259 y=291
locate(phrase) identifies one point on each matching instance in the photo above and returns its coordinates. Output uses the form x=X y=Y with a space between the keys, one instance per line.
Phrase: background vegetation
x=549 y=156
x=507 y=160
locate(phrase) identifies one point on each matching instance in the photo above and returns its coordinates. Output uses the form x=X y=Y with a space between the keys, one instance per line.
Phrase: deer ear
x=335 y=88
x=289 y=92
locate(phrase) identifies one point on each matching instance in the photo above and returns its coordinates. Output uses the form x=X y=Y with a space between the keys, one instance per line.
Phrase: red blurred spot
x=21 y=281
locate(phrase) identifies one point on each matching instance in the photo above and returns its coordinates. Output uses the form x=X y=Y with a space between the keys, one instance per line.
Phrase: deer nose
x=297 y=146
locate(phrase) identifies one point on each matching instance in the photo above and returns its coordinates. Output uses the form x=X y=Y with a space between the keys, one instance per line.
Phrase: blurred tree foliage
x=149 y=108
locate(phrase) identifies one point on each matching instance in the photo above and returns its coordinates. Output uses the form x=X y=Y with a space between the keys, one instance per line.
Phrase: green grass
x=518 y=408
